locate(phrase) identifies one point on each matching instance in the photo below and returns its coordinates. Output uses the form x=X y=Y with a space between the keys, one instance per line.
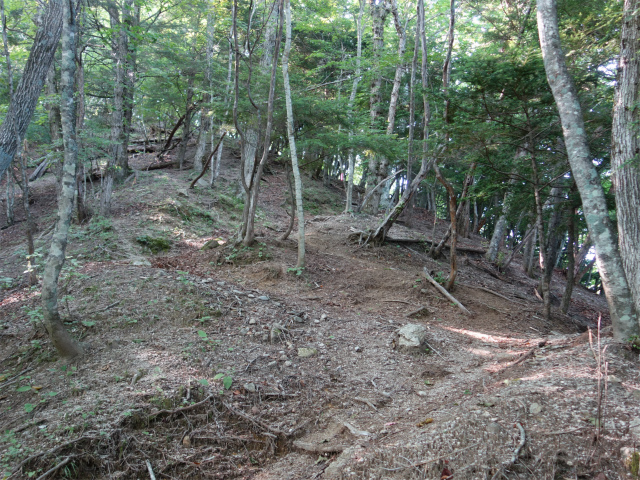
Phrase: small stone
x=298 y=319
x=220 y=284
x=613 y=379
x=264 y=298
x=183 y=193
x=238 y=292
x=283 y=358
x=288 y=363
x=323 y=316
x=306 y=352
x=535 y=408
x=271 y=364
x=265 y=338
x=244 y=331
x=186 y=441
x=422 y=393
x=316 y=321
x=277 y=304
x=250 y=387
x=251 y=295
x=358 y=349
x=252 y=321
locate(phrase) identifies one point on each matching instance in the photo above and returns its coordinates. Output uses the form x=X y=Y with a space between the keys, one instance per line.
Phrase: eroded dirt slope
x=223 y=363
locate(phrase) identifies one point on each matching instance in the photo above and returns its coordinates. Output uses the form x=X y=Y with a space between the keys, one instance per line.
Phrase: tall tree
x=292 y=140
x=625 y=146
x=61 y=339
x=621 y=306
x=24 y=101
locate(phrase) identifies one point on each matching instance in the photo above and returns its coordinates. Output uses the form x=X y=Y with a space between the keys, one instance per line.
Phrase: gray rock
x=307 y=352
x=323 y=316
x=287 y=363
x=250 y=387
x=264 y=298
x=252 y=321
x=535 y=408
x=411 y=338
x=298 y=319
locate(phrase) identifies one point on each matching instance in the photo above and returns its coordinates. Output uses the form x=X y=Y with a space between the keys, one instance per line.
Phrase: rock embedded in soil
x=306 y=352
x=411 y=338
x=535 y=408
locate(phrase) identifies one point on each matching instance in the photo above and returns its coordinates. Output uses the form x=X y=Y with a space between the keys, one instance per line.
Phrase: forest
x=319 y=239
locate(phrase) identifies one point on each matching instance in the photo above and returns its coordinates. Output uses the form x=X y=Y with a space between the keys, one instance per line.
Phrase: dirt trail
x=222 y=363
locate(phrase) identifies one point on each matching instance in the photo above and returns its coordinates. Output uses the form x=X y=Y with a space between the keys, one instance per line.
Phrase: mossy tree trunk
x=61 y=339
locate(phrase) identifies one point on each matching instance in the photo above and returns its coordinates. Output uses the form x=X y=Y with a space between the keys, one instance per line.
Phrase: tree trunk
x=568 y=289
x=186 y=125
x=118 y=164
x=33 y=78
x=626 y=146
x=63 y=342
x=377 y=165
x=292 y=141
x=55 y=128
x=621 y=303
x=131 y=21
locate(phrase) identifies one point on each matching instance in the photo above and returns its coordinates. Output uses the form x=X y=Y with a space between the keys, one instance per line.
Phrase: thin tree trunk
x=254 y=191
x=624 y=318
x=626 y=145
x=63 y=342
x=568 y=289
x=352 y=98
x=186 y=125
x=292 y=141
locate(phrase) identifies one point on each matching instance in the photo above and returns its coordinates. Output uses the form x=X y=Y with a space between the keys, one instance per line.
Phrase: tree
x=292 y=140
x=625 y=147
x=61 y=339
x=24 y=101
x=621 y=306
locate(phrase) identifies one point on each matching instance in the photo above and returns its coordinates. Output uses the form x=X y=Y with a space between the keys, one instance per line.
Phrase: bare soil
x=194 y=366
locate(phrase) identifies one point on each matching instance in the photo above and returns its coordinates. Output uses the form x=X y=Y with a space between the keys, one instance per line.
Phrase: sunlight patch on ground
x=487 y=338
x=19 y=296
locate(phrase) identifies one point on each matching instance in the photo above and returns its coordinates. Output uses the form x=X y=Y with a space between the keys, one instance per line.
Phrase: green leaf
x=204 y=382
x=218 y=376
x=24 y=388
x=227 y=381
x=88 y=323
x=202 y=334
x=28 y=407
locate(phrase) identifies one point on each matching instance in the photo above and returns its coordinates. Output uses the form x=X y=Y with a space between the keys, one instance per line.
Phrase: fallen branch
x=151 y=474
x=364 y=400
x=527 y=354
x=516 y=452
x=494 y=293
x=48 y=452
x=180 y=410
x=322 y=448
x=208 y=162
x=442 y=290
x=255 y=421
x=419 y=310
x=55 y=469
x=106 y=308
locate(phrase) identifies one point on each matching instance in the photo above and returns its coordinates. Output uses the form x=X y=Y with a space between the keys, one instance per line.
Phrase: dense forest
x=500 y=135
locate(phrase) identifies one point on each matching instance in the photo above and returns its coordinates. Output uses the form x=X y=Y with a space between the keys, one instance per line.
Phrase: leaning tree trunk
x=621 y=305
x=626 y=145
x=64 y=343
x=33 y=77
x=292 y=140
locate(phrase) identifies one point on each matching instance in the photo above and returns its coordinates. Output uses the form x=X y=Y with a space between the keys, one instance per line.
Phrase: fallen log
x=442 y=290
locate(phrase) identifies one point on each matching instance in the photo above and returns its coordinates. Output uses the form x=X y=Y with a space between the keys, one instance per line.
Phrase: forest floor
x=228 y=363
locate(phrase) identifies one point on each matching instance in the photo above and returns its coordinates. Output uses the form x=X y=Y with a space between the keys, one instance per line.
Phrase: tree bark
x=621 y=303
x=61 y=339
x=568 y=289
x=292 y=141
x=33 y=77
x=625 y=147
